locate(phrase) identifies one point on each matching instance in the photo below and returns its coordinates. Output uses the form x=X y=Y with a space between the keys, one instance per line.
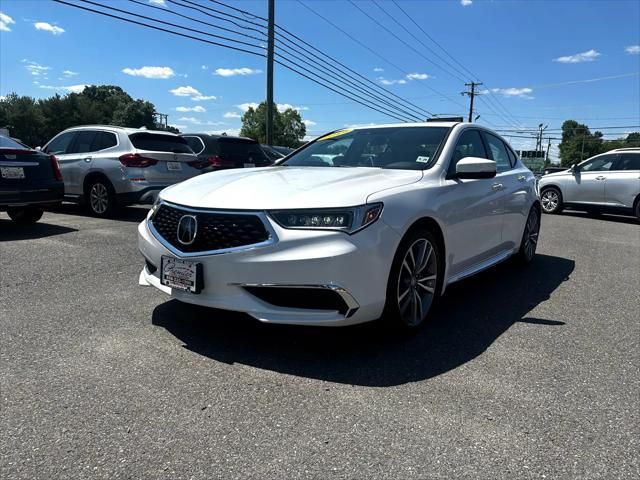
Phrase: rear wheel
x=415 y=280
x=101 y=198
x=25 y=215
x=551 y=199
x=636 y=210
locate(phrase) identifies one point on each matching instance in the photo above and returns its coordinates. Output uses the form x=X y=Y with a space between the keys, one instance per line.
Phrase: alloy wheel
x=550 y=201
x=531 y=232
x=417 y=282
x=99 y=198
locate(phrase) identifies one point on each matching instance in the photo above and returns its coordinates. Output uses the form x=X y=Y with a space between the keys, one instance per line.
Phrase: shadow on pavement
x=10 y=230
x=604 y=216
x=126 y=214
x=468 y=319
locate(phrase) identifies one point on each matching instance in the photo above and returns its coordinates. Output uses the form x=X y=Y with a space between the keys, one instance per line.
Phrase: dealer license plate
x=249 y=165
x=13 y=173
x=174 y=166
x=181 y=274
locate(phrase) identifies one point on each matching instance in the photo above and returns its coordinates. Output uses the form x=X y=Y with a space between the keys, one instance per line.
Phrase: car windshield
x=408 y=148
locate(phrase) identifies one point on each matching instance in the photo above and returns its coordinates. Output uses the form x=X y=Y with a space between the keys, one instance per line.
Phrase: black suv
x=218 y=152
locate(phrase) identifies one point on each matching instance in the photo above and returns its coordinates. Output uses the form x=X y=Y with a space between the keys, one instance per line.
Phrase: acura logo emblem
x=187 y=229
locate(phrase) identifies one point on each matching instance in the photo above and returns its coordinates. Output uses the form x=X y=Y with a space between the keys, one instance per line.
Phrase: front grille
x=215 y=231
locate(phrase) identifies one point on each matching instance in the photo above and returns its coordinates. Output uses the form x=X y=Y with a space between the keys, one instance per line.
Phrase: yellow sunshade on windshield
x=336 y=134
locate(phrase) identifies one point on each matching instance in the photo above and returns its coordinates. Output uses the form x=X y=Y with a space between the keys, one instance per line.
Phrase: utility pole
x=546 y=157
x=471 y=94
x=539 y=138
x=270 y=45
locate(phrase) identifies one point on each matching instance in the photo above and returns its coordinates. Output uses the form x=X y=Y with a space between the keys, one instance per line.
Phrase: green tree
x=578 y=143
x=23 y=117
x=137 y=113
x=288 y=128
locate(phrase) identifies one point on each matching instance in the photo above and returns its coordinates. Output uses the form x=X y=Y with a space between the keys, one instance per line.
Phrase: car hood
x=286 y=187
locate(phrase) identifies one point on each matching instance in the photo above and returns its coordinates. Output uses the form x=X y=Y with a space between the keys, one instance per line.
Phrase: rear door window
x=60 y=144
x=83 y=141
x=498 y=152
x=104 y=140
x=627 y=161
x=156 y=142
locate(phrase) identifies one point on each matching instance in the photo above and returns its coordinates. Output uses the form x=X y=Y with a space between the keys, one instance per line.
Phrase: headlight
x=347 y=220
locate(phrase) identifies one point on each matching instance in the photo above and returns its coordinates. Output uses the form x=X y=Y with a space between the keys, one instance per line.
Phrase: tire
x=551 y=199
x=636 y=210
x=100 y=198
x=25 y=215
x=415 y=280
x=530 y=237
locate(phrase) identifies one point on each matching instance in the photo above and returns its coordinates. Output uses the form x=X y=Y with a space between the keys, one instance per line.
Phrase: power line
x=285 y=65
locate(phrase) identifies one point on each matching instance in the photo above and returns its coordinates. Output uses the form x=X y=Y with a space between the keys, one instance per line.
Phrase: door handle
x=496 y=187
x=601 y=178
x=521 y=178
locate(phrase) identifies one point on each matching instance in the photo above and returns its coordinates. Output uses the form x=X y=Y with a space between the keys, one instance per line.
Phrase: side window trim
x=199 y=139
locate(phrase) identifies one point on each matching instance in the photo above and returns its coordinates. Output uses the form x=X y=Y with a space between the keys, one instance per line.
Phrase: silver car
x=610 y=181
x=107 y=167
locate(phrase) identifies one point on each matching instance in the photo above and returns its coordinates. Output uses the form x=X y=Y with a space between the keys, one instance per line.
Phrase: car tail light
x=135 y=160
x=55 y=166
x=217 y=161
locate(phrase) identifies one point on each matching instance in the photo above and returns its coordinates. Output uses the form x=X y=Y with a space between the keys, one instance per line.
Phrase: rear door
x=78 y=160
x=622 y=185
x=587 y=183
x=172 y=153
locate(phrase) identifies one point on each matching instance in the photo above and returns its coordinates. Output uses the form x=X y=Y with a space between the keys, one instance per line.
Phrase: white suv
x=356 y=224
x=610 y=181
x=107 y=166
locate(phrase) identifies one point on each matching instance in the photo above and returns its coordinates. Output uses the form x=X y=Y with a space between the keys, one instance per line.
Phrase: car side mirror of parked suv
x=574 y=168
x=475 y=167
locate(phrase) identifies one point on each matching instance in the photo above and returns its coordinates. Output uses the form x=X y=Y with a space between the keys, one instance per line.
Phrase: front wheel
x=25 y=215
x=530 y=236
x=551 y=199
x=415 y=280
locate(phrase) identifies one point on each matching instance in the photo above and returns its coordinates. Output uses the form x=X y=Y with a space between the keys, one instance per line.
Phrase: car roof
x=211 y=135
x=127 y=130
x=405 y=125
x=626 y=149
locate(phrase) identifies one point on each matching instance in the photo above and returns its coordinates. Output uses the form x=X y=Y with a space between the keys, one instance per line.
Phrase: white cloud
x=378 y=69
x=204 y=67
x=2 y=98
x=159 y=3
x=191 y=92
x=232 y=115
x=466 y=3
x=232 y=72
x=417 y=76
x=245 y=106
x=35 y=68
x=358 y=125
x=69 y=88
x=188 y=119
x=309 y=123
x=47 y=27
x=232 y=132
x=385 y=81
x=197 y=109
x=69 y=73
x=631 y=49
x=588 y=56
x=512 y=92
x=286 y=106
x=150 y=72
x=5 y=21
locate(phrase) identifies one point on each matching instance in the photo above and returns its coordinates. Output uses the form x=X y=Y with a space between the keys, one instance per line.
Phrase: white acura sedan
x=359 y=224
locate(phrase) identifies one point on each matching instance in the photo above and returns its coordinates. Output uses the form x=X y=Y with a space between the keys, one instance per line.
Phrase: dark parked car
x=218 y=152
x=272 y=153
x=29 y=181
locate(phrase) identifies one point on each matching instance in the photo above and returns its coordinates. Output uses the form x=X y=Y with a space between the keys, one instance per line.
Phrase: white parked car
x=610 y=181
x=379 y=230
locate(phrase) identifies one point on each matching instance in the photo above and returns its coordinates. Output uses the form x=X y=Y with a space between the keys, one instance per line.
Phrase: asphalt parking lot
x=523 y=373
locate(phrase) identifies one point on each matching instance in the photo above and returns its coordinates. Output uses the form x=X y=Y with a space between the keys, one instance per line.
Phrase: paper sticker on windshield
x=423 y=159
x=336 y=134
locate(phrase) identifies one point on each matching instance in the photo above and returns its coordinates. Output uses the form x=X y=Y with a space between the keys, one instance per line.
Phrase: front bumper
x=357 y=266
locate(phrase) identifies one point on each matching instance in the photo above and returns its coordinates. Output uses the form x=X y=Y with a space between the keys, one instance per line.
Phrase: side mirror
x=475 y=167
x=574 y=168
x=39 y=149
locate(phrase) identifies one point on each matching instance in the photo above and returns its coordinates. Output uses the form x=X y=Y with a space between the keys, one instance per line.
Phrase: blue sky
x=540 y=61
